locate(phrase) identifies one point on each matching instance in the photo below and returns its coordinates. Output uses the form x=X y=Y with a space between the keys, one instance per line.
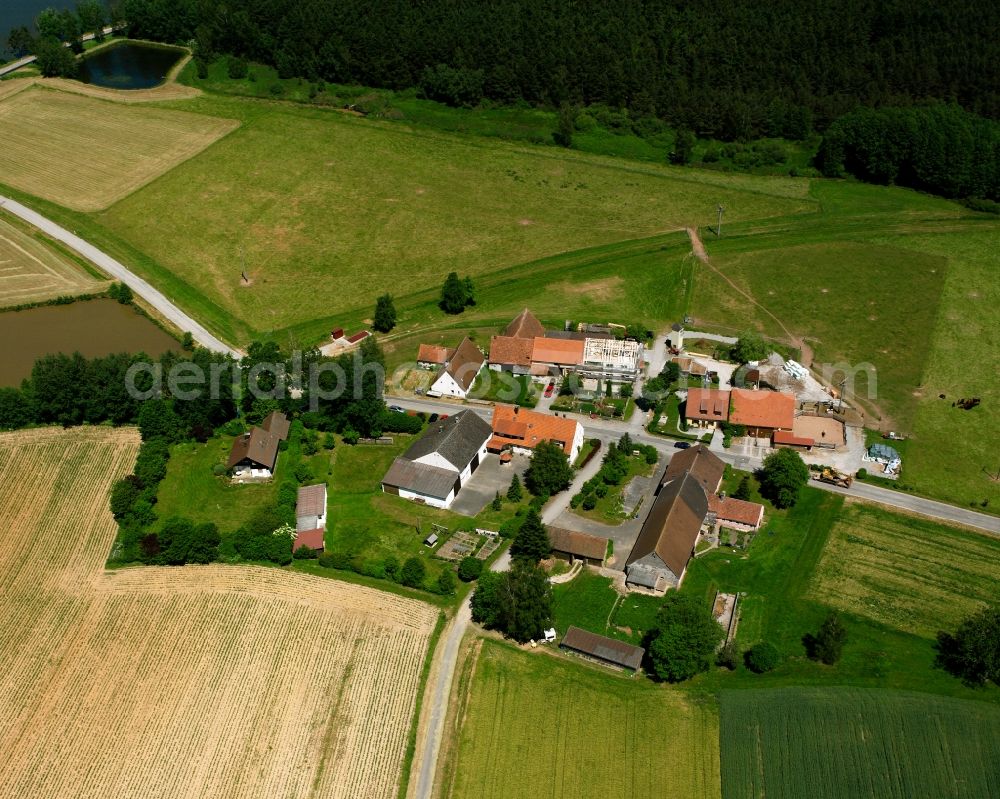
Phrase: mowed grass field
x=536 y=725
x=844 y=743
x=215 y=681
x=85 y=153
x=31 y=271
x=327 y=210
x=905 y=571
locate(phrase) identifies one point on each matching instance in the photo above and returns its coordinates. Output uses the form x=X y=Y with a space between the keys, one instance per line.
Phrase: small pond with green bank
x=129 y=65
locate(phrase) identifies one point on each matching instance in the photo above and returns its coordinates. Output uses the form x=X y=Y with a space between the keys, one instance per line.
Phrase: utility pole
x=718 y=229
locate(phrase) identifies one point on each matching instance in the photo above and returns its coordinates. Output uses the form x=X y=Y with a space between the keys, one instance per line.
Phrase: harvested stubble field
x=85 y=153
x=537 y=725
x=906 y=572
x=217 y=681
x=825 y=743
x=31 y=272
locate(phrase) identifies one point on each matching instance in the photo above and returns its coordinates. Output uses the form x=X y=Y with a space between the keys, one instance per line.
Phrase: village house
x=255 y=453
x=525 y=325
x=701 y=463
x=706 y=407
x=510 y=354
x=521 y=430
x=736 y=513
x=459 y=373
x=310 y=517
x=433 y=356
x=571 y=546
x=761 y=412
x=556 y=356
x=437 y=465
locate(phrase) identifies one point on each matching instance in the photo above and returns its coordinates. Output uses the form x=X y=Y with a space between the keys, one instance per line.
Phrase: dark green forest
x=731 y=69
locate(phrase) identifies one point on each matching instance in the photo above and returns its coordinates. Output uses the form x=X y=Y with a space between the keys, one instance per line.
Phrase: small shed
x=603 y=649
x=431 y=540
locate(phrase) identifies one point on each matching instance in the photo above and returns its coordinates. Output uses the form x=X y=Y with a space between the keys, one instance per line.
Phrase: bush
x=305 y=553
x=446 y=582
x=728 y=657
x=219 y=469
x=276 y=89
x=303 y=473
x=589 y=502
x=862 y=474
x=762 y=657
x=469 y=569
x=351 y=436
x=237 y=68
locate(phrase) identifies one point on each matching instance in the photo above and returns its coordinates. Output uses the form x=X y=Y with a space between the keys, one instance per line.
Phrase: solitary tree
x=413 y=573
x=743 y=489
x=684 y=639
x=514 y=493
x=446 y=582
x=565 y=126
x=683 y=147
x=782 y=477
x=828 y=644
x=973 y=651
x=497 y=502
x=532 y=541
x=549 y=471
x=749 y=346
x=385 y=314
x=469 y=568
x=453 y=294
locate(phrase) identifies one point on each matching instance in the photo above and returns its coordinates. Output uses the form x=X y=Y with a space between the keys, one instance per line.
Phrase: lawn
x=347 y=197
x=192 y=490
x=543 y=726
x=777 y=578
x=588 y=601
x=860 y=744
x=905 y=571
x=609 y=509
x=505 y=387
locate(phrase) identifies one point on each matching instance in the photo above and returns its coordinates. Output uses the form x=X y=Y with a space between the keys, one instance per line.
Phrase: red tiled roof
x=525 y=325
x=359 y=336
x=772 y=409
x=308 y=538
x=557 y=350
x=583 y=545
x=738 y=511
x=537 y=427
x=789 y=438
x=509 y=350
x=434 y=353
x=708 y=404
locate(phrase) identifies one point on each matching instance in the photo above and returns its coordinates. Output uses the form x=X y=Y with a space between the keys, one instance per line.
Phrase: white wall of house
x=577 y=442
x=447 y=386
x=434 y=502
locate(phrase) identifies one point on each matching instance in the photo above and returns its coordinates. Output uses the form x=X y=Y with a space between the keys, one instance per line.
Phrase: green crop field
x=536 y=725
x=846 y=743
x=906 y=572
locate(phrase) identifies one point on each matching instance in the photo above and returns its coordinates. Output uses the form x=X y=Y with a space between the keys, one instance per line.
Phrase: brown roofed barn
x=762 y=412
x=525 y=325
x=704 y=465
x=573 y=546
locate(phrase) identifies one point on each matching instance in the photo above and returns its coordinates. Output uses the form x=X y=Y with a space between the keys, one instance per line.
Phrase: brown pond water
x=92 y=328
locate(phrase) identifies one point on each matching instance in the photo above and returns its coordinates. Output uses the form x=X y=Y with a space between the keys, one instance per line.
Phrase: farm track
x=215 y=681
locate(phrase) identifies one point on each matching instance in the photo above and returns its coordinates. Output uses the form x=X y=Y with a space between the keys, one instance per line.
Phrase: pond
x=91 y=327
x=129 y=65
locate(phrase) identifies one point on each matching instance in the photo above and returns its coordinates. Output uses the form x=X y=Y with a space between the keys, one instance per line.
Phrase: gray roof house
x=667 y=539
x=437 y=465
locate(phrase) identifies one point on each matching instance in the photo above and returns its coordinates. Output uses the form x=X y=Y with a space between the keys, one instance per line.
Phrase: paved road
x=609 y=429
x=13 y=66
x=119 y=272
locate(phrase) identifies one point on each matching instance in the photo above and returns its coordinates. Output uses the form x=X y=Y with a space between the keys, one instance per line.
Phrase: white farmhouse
x=458 y=374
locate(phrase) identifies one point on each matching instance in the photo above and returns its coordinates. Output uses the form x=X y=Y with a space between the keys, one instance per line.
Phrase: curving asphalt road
x=118 y=271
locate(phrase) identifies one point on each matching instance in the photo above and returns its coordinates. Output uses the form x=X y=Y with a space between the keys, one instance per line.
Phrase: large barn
x=437 y=465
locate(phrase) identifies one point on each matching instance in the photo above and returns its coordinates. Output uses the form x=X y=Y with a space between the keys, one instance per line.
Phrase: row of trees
x=60 y=36
x=938 y=148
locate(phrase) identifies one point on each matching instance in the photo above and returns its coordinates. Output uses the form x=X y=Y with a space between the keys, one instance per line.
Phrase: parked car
x=418 y=391
x=682 y=444
x=550 y=388
x=397 y=409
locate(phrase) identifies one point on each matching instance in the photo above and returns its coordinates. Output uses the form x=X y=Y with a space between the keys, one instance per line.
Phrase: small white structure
x=431 y=540
x=796 y=370
x=550 y=635
x=458 y=375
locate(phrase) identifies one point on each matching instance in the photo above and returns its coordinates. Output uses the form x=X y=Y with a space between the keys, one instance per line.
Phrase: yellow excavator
x=833 y=477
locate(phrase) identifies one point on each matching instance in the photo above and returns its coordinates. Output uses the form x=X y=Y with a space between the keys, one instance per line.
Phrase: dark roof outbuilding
x=420 y=478
x=600 y=647
x=673 y=525
x=457 y=439
x=703 y=464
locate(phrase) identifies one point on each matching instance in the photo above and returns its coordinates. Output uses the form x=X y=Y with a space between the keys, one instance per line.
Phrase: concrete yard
x=489 y=478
